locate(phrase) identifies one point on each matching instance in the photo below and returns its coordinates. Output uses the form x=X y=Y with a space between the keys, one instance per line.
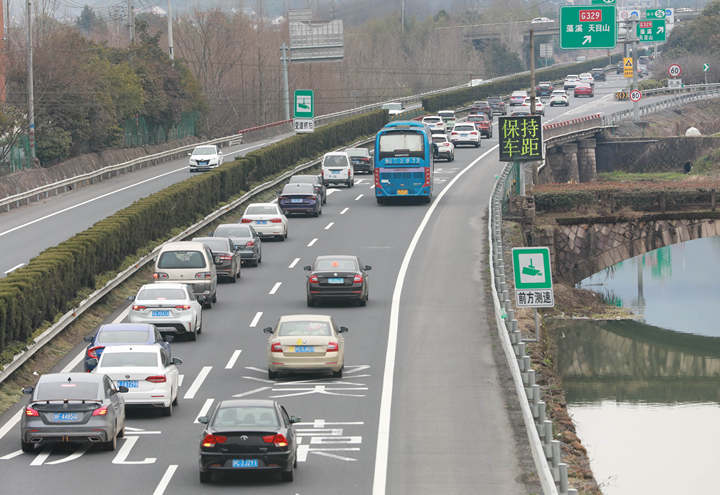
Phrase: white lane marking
x=329 y=226
x=294 y=262
x=14 y=419
x=124 y=451
x=199 y=379
x=11 y=455
x=344 y=210
x=14 y=268
x=438 y=170
x=181 y=379
x=330 y=191
x=75 y=455
x=311 y=243
x=256 y=319
x=165 y=480
x=204 y=409
x=275 y=288
x=41 y=457
x=372 y=187
x=249 y=392
x=91 y=200
x=233 y=359
x=383 y=436
x=359 y=196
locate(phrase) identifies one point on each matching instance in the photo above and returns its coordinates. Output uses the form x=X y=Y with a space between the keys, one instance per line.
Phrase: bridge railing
x=707 y=92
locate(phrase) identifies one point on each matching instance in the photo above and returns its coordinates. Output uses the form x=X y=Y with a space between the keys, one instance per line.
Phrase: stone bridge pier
x=573 y=161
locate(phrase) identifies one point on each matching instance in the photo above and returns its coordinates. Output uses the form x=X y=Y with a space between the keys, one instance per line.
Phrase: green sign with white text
x=533 y=277
x=655 y=14
x=651 y=30
x=603 y=2
x=587 y=27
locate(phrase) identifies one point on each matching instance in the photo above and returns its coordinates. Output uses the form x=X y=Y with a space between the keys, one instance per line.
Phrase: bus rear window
x=401 y=144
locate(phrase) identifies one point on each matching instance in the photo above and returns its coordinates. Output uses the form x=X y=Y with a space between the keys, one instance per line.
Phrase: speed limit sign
x=635 y=95
x=674 y=70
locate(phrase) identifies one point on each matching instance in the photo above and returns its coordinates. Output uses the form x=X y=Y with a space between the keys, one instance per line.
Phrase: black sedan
x=248 y=435
x=315 y=180
x=337 y=277
x=73 y=407
x=226 y=256
x=245 y=239
x=361 y=159
x=300 y=198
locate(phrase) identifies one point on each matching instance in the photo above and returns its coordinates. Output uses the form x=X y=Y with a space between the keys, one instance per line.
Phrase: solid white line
x=359 y=196
x=294 y=262
x=329 y=226
x=311 y=243
x=165 y=480
x=204 y=409
x=383 y=436
x=11 y=455
x=275 y=288
x=255 y=319
x=233 y=359
x=14 y=419
x=344 y=211
x=14 y=268
x=50 y=215
x=199 y=379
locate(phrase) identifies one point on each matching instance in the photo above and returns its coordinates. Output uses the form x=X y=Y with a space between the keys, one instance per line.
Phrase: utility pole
x=532 y=73
x=402 y=16
x=131 y=21
x=3 y=59
x=31 y=96
x=635 y=45
x=286 y=89
x=170 y=35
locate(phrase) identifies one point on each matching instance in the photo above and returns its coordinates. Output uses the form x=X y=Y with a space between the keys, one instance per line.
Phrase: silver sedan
x=172 y=308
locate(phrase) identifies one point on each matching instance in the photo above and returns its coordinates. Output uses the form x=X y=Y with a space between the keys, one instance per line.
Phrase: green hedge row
x=638 y=200
x=508 y=84
x=50 y=282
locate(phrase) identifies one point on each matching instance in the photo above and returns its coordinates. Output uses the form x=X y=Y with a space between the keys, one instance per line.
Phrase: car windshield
x=303 y=189
x=232 y=231
x=181 y=259
x=261 y=210
x=558 y=93
x=68 y=390
x=335 y=161
x=246 y=416
x=439 y=139
x=122 y=337
x=447 y=115
x=519 y=94
x=401 y=144
x=571 y=77
x=128 y=359
x=204 y=150
x=432 y=120
x=333 y=265
x=304 y=328
x=216 y=244
x=160 y=294
x=495 y=100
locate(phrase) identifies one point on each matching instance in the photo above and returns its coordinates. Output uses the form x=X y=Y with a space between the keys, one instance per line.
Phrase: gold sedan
x=306 y=343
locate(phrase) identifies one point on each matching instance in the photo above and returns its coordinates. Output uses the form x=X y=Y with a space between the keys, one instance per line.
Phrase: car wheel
x=111 y=445
x=338 y=373
x=259 y=260
x=121 y=433
x=205 y=476
x=167 y=411
x=192 y=336
x=272 y=375
x=310 y=301
x=233 y=279
x=379 y=200
x=288 y=475
x=27 y=447
x=175 y=400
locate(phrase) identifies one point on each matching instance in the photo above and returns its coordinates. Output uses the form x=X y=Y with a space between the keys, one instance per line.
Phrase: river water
x=645 y=394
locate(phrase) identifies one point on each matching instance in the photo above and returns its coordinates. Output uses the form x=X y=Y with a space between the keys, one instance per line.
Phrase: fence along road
x=340 y=416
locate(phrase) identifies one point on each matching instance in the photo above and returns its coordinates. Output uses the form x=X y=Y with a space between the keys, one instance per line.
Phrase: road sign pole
x=533 y=94
x=635 y=67
x=286 y=89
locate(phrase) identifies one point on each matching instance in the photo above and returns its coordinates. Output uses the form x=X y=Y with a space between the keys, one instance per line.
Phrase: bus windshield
x=401 y=144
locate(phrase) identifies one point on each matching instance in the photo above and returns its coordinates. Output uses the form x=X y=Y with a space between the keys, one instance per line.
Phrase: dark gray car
x=225 y=256
x=73 y=407
x=315 y=180
x=245 y=239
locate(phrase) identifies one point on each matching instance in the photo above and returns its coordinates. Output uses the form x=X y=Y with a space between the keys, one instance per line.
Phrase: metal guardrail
x=707 y=93
x=69 y=317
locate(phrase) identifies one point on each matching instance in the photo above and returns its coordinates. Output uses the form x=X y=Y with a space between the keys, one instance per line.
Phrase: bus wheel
x=380 y=200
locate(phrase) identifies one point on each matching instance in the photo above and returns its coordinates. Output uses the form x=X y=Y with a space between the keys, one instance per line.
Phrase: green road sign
x=533 y=278
x=655 y=14
x=603 y=2
x=706 y=67
x=304 y=107
x=587 y=27
x=651 y=30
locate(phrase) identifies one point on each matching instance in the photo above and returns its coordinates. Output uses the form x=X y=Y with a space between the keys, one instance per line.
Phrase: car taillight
x=100 y=411
x=245 y=220
x=92 y=352
x=279 y=440
x=138 y=307
x=377 y=179
x=211 y=440
x=182 y=306
x=453 y=133
x=250 y=243
x=203 y=275
x=332 y=347
x=276 y=347
x=473 y=133
x=225 y=257
x=357 y=279
x=156 y=379
x=276 y=220
x=29 y=411
x=160 y=276
x=314 y=279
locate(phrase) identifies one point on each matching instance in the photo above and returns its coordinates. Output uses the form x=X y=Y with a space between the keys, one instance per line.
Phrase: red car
x=482 y=124
x=583 y=89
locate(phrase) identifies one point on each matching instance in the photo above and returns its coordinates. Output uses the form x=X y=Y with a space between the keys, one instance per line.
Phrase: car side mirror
x=28 y=390
x=268 y=330
x=177 y=360
x=343 y=330
x=368 y=267
x=294 y=419
x=189 y=153
x=307 y=268
x=131 y=298
x=203 y=420
x=168 y=338
x=220 y=152
x=123 y=389
x=89 y=338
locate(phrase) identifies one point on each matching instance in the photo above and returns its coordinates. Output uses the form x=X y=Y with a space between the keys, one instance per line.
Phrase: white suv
x=465 y=133
x=205 y=157
x=337 y=169
x=436 y=124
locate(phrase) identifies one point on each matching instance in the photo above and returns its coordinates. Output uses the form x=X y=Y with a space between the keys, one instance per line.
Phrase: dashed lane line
x=275 y=288
x=329 y=226
x=256 y=319
x=312 y=243
x=204 y=409
x=344 y=210
x=359 y=196
x=165 y=480
x=197 y=383
x=294 y=262
x=233 y=359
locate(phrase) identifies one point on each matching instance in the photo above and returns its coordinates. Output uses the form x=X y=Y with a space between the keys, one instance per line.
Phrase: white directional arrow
x=660 y=29
x=587 y=39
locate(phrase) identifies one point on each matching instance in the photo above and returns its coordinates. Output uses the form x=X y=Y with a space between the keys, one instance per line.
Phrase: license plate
x=261 y=222
x=464 y=135
x=65 y=416
x=402 y=192
x=161 y=313
x=336 y=280
x=336 y=171
x=294 y=200
x=244 y=463
x=128 y=383
x=303 y=348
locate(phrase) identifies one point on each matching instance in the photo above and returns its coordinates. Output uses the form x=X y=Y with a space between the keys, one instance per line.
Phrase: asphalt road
x=420 y=409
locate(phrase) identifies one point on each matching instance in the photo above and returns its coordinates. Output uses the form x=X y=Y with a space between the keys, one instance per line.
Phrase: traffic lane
x=27 y=231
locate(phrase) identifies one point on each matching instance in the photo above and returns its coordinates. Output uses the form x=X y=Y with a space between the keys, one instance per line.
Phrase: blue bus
x=404 y=162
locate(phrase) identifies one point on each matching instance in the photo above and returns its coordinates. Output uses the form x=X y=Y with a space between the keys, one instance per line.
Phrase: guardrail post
x=520 y=350
x=562 y=468
x=555 y=458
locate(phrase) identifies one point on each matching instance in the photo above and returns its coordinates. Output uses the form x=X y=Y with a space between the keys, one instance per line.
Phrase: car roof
x=116 y=327
x=438 y=134
x=243 y=225
x=163 y=285
x=446 y=111
x=131 y=348
x=326 y=318
x=336 y=153
x=300 y=186
x=178 y=245
x=74 y=376
x=336 y=257
x=246 y=402
x=265 y=204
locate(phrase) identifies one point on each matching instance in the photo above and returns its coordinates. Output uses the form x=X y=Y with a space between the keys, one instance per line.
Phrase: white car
x=205 y=157
x=267 y=219
x=586 y=77
x=559 y=98
x=436 y=123
x=445 y=149
x=539 y=107
x=337 y=169
x=518 y=97
x=465 y=133
x=540 y=20
x=172 y=308
x=448 y=117
x=147 y=370
x=570 y=81
x=393 y=107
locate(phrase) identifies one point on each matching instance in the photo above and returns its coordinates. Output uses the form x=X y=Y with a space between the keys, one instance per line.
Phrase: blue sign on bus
x=404 y=161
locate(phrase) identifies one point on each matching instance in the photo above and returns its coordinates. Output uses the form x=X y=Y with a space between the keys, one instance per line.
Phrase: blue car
x=122 y=334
